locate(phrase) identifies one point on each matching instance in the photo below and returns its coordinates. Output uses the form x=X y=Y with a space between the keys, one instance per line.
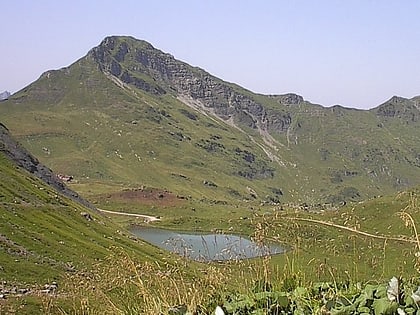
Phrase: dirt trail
x=382 y=237
x=147 y=218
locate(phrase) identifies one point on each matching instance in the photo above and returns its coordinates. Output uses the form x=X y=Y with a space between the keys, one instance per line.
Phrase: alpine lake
x=205 y=246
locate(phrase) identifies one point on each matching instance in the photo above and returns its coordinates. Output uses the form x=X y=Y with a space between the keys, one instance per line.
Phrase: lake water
x=205 y=246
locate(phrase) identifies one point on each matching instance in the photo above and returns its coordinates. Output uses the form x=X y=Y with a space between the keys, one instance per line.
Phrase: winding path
x=382 y=237
x=147 y=218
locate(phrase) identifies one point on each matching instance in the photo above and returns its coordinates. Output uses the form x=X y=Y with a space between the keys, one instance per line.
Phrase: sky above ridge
x=356 y=53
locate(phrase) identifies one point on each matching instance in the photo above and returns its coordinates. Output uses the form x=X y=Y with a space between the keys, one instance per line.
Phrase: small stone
x=23 y=291
x=179 y=309
x=86 y=215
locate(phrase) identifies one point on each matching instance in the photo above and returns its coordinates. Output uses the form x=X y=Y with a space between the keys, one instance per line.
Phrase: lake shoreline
x=205 y=246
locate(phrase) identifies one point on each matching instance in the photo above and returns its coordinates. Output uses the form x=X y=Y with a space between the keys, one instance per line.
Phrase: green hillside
x=61 y=257
x=45 y=234
x=141 y=132
x=46 y=237
x=131 y=115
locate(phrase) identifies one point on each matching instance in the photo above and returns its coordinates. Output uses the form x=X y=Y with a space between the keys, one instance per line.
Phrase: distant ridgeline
x=130 y=113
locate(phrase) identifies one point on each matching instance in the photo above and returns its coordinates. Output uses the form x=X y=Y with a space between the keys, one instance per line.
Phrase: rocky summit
x=131 y=114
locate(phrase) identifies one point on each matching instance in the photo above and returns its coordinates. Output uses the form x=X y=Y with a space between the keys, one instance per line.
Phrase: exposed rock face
x=24 y=159
x=288 y=99
x=279 y=123
x=212 y=94
x=4 y=95
x=399 y=107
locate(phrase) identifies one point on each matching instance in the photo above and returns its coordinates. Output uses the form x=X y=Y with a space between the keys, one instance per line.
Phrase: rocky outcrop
x=399 y=107
x=288 y=99
x=19 y=155
x=279 y=122
x=135 y=62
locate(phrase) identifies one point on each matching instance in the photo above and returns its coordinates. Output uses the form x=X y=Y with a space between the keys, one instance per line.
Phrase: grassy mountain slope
x=127 y=115
x=44 y=234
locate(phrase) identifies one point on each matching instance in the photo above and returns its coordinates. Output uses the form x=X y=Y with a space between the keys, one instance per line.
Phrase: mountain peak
x=110 y=42
x=397 y=99
x=118 y=47
x=400 y=107
x=137 y=63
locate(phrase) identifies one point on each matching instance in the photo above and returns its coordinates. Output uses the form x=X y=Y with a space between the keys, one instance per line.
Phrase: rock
x=86 y=215
x=178 y=310
x=50 y=288
x=209 y=183
x=279 y=122
x=23 y=291
x=219 y=311
x=4 y=95
x=252 y=192
x=288 y=99
x=65 y=178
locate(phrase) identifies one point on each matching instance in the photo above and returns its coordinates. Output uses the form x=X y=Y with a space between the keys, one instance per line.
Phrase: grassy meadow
x=100 y=269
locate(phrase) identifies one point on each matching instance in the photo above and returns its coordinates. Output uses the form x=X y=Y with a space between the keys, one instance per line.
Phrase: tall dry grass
x=123 y=285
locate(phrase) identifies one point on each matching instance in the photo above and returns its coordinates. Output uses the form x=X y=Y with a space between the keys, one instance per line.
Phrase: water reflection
x=205 y=247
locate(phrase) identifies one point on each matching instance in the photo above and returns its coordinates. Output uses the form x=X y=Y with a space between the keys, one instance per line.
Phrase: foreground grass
x=99 y=269
x=122 y=285
x=335 y=266
x=46 y=237
x=363 y=241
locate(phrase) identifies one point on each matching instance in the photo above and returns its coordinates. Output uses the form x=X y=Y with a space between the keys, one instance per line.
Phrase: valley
x=128 y=136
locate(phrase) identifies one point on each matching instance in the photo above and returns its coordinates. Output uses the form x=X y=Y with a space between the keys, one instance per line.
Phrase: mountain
x=4 y=95
x=129 y=115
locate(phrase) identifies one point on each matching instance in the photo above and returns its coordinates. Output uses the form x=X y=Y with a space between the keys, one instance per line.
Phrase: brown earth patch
x=148 y=196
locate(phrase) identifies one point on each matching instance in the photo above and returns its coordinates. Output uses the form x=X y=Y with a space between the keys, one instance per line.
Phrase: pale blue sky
x=354 y=53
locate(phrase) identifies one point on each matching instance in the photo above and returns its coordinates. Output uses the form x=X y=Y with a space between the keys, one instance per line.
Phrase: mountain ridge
x=264 y=142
